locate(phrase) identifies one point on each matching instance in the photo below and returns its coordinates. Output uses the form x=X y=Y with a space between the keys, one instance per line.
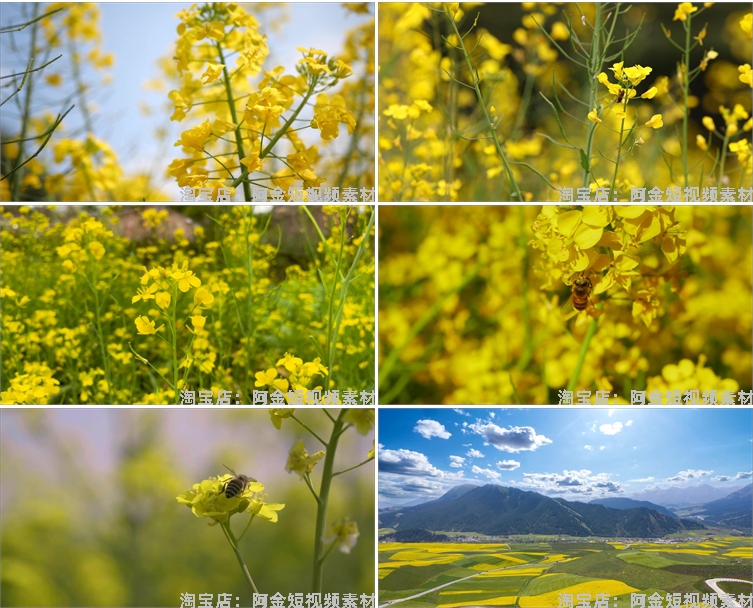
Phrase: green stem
x=174 y=336
x=595 y=65
x=613 y=192
x=725 y=141
x=524 y=103
x=100 y=333
x=513 y=184
x=15 y=185
x=307 y=479
x=360 y=464
x=332 y=339
x=582 y=355
x=234 y=544
x=280 y=133
x=527 y=354
x=324 y=443
x=233 y=115
x=246 y=528
x=685 y=92
x=321 y=512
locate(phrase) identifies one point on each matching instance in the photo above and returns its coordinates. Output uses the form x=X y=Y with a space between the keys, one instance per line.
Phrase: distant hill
x=456 y=492
x=449 y=495
x=629 y=503
x=415 y=535
x=733 y=511
x=497 y=510
x=685 y=497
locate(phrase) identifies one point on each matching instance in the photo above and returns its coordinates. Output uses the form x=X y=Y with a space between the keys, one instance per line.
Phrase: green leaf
x=584 y=161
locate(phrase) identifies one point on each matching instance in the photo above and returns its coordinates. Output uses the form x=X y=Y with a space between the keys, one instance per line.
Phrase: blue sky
x=138 y=35
x=577 y=454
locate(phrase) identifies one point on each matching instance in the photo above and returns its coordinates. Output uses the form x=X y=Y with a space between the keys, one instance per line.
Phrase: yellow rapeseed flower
x=746 y=23
x=196 y=136
x=145 y=326
x=203 y=296
x=300 y=461
x=145 y=294
x=186 y=278
x=655 y=122
x=162 y=299
x=214 y=30
x=593 y=116
x=683 y=10
x=708 y=122
x=253 y=162
x=97 y=250
x=701 y=35
x=212 y=72
x=700 y=141
x=637 y=73
x=746 y=74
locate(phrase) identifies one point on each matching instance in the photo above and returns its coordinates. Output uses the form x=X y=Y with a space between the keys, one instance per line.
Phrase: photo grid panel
x=564 y=507
x=354 y=305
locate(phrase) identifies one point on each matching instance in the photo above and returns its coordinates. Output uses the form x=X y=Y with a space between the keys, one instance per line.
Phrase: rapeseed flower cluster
x=249 y=132
x=115 y=317
x=475 y=308
x=244 y=117
x=208 y=499
x=469 y=114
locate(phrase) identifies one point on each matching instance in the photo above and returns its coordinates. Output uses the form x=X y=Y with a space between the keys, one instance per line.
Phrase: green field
x=531 y=572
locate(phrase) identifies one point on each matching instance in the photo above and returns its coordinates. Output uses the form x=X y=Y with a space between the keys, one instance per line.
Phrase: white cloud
x=689 y=475
x=392 y=486
x=588 y=447
x=407 y=462
x=611 y=429
x=473 y=453
x=741 y=475
x=646 y=480
x=513 y=439
x=457 y=462
x=572 y=482
x=508 y=465
x=431 y=428
x=462 y=412
x=602 y=447
x=610 y=413
x=491 y=415
x=629 y=423
x=488 y=473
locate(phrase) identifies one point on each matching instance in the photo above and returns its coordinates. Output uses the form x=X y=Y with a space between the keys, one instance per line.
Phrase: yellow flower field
x=477 y=304
x=147 y=306
x=544 y=600
x=517 y=102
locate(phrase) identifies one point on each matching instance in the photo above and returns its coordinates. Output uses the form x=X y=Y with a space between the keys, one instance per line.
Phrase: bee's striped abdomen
x=234 y=487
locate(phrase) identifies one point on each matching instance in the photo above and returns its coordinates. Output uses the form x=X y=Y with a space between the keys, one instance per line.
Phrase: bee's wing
x=566 y=310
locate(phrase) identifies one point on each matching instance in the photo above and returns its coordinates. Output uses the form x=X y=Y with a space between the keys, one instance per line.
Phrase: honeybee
x=237 y=484
x=620 y=96
x=579 y=298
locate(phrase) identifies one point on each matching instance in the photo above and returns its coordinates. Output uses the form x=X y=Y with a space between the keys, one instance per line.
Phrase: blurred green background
x=89 y=516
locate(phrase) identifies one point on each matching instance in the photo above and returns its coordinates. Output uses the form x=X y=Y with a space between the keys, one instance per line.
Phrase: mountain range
x=734 y=511
x=629 y=503
x=499 y=510
x=685 y=497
